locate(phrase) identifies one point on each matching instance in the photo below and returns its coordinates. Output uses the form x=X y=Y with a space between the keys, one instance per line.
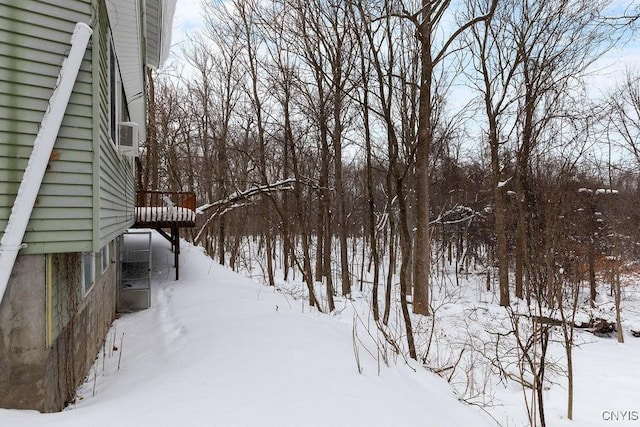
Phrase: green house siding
x=86 y=197
x=115 y=200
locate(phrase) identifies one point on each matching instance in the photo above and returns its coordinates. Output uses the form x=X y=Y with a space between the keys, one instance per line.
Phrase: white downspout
x=11 y=241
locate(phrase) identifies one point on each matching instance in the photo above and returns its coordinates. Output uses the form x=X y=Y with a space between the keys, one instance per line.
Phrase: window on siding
x=112 y=251
x=88 y=271
x=116 y=97
x=104 y=258
x=124 y=109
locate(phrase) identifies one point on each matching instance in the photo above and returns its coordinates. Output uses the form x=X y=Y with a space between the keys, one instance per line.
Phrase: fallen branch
x=240 y=199
x=522 y=381
x=596 y=326
x=284 y=185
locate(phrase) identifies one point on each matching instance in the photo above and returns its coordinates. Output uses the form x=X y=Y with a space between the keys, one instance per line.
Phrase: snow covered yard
x=218 y=349
x=462 y=345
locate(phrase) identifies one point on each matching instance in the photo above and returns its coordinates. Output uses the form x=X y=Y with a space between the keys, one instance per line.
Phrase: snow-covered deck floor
x=163 y=214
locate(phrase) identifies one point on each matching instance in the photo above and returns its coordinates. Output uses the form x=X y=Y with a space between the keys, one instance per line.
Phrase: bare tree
x=496 y=62
x=216 y=93
x=285 y=80
x=624 y=107
x=248 y=12
x=322 y=39
x=556 y=43
x=382 y=36
x=428 y=21
x=365 y=47
x=306 y=36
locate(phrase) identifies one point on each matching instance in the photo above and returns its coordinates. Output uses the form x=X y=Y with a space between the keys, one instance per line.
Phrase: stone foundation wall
x=75 y=349
x=32 y=375
x=22 y=336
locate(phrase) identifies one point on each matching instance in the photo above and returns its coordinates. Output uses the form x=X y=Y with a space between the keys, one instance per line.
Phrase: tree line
x=367 y=141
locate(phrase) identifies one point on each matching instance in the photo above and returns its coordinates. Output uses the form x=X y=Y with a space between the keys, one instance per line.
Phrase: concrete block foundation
x=38 y=370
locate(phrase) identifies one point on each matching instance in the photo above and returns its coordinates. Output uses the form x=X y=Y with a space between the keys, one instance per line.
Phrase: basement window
x=104 y=258
x=88 y=271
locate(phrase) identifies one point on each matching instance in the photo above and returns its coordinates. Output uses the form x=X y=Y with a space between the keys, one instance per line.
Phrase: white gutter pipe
x=11 y=241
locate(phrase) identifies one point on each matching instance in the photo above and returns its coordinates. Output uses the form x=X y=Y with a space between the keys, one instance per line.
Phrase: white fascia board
x=168 y=12
x=126 y=30
x=159 y=26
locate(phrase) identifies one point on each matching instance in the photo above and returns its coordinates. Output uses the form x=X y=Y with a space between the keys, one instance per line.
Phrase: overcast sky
x=188 y=19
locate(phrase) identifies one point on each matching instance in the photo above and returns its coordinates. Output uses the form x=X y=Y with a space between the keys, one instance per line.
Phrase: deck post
x=175 y=237
x=162 y=210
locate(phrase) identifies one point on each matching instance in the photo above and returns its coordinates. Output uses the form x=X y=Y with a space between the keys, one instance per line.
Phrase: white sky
x=188 y=18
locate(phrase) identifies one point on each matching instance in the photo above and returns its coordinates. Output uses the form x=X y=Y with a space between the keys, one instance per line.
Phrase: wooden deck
x=166 y=211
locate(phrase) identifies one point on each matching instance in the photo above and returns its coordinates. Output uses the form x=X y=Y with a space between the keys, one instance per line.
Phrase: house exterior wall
x=70 y=356
x=115 y=197
x=35 y=373
x=86 y=200
x=37 y=35
x=87 y=195
x=22 y=336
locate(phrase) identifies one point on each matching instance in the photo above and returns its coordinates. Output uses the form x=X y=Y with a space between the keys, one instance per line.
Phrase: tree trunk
x=422 y=247
x=340 y=202
x=405 y=272
x=500 y=228
x=306 y=268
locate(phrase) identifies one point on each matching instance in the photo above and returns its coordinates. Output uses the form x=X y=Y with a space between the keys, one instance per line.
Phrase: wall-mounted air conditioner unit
x=128 y=139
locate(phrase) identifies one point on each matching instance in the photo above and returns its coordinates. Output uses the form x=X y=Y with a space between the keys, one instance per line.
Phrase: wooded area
x=361 y=144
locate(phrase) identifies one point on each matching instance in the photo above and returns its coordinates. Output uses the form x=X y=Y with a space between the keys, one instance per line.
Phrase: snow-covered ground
x=471 y=344
x=217 y=349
